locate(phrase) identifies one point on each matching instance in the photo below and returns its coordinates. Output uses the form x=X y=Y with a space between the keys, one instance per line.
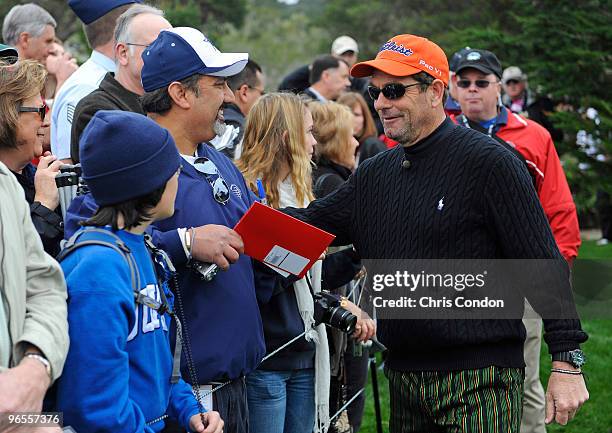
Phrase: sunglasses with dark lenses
x=512 y=82
x=42 y=111
x=483 y=84
x=390 y=91
x=221 y=191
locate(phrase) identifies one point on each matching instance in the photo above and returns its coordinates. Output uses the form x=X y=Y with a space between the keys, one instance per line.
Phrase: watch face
x=578 y=358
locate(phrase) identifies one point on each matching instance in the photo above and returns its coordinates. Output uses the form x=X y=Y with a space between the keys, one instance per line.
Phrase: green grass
x=595 y=416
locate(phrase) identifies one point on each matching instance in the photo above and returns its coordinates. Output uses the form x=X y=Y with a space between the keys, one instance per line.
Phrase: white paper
x=286 y=260
x=207 y=397
x=280 y=271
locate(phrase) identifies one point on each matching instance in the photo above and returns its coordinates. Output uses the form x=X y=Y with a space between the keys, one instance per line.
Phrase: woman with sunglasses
x=364 y=128
x=288 y=393
x=22 y=123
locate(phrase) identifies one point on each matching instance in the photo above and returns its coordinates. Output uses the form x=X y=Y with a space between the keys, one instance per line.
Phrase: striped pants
x=487 y=400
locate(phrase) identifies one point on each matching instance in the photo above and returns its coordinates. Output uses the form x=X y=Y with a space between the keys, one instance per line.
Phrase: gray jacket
x=32 y=286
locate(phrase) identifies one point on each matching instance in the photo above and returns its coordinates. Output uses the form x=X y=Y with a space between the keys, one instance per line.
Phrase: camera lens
x=342 y=319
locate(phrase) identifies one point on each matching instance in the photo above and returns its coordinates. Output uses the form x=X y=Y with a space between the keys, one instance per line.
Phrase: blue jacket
x=222 y=316
x=118 y=370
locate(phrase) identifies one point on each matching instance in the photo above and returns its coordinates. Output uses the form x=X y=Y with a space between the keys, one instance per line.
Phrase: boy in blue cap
x=118 y=372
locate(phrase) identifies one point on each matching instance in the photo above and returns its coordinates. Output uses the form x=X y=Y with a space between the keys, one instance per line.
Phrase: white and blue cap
x=183 y=51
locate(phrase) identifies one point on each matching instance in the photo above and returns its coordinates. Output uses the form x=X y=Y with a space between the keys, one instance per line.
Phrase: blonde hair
x=18 y=82
x=333 y=129
x=275 y=138
x=351 y=99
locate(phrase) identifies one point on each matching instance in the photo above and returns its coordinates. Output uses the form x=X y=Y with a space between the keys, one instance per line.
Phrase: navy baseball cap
x=182 y=52
x=90 y=10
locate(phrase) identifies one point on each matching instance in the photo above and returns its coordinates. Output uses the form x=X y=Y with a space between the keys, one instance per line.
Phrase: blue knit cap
x=90 y=10
x=125 y=155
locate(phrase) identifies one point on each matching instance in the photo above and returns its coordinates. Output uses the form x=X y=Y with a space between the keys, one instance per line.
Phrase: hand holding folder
x=281 y=241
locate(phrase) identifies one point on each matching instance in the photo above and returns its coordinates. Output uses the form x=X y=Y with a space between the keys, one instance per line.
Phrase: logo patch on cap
x=473 y=56
x=392 y=46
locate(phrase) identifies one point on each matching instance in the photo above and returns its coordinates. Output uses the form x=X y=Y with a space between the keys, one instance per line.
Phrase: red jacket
x=535 y=144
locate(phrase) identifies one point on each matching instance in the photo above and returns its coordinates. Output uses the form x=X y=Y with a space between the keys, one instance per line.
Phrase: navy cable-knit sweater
x=491 y=211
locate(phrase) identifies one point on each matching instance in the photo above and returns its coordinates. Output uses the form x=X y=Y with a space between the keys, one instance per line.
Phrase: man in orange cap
x=450 y=193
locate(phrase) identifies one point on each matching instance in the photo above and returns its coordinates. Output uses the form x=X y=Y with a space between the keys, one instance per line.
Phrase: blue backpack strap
x=105 y=238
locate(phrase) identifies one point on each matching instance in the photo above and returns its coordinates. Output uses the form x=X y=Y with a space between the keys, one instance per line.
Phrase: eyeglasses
x=390 y=91
x=42 y=111
x=137 y=45
x=221 y=191
x=482 y=84
x=512 y=82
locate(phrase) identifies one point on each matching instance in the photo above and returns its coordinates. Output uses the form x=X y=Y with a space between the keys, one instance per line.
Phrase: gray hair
x=122 y=31
x=29 y=18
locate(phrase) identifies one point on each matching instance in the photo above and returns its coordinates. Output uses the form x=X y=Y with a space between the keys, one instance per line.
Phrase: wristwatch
x=44 y=361
x=574 y=357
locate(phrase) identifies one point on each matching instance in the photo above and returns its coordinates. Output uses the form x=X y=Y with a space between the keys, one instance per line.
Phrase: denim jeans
x=281 y=401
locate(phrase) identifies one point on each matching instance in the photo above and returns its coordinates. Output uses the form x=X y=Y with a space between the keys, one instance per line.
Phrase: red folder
x=280 y=240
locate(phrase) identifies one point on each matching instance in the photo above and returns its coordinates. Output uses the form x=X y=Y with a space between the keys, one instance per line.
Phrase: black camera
x=327 y=310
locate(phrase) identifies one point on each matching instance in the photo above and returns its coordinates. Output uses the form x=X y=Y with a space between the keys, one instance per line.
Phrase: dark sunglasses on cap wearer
x=483 y=84
x=390 y=90
x=512 y=82
x=42 y=111
x=221 y=191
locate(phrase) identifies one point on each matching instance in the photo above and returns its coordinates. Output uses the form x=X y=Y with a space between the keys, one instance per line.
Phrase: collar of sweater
x=432 y=143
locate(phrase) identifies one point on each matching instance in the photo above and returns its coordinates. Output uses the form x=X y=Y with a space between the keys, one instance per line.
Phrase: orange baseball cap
x=405 y=55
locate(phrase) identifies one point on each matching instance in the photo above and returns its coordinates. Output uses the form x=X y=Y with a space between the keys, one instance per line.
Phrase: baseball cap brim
x=227 y=65
x=391 y=67
x=480 y=68
x=512 y=77
x=7 y=52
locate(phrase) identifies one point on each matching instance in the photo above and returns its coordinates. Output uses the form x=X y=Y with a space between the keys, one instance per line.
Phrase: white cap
x=183 y=51
x=513 y=73
x=343 y=44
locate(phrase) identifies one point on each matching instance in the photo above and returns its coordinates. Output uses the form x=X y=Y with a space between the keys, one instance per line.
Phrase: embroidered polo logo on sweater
x=441 y=204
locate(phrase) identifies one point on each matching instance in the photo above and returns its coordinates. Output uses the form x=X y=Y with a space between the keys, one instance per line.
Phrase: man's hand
x=216 y=244
x=565 y=394
x=366 y=327
x=44 y=181
x=214 y=423
x=23 y=388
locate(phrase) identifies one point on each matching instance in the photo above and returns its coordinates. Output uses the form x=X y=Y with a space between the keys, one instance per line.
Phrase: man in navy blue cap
x=184 y=78
x=99 y=19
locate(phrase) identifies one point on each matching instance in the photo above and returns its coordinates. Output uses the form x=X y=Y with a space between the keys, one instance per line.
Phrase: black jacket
x=109 y=96
x=48 y=223
x=233 y=117
x=341 y=267
x=371 y=146
x=460 y=196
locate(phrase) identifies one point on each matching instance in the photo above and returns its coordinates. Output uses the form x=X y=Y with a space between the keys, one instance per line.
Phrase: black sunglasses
x=42 y=111
x=390 y=91
x=483 y=84
x=512 y=82
x=221 y=191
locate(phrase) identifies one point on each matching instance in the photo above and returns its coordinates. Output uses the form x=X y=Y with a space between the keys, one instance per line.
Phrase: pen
x=261 y=192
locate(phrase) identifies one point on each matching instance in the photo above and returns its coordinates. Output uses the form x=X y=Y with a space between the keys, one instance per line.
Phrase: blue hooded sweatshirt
x=222 y=315
x=118 y=370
